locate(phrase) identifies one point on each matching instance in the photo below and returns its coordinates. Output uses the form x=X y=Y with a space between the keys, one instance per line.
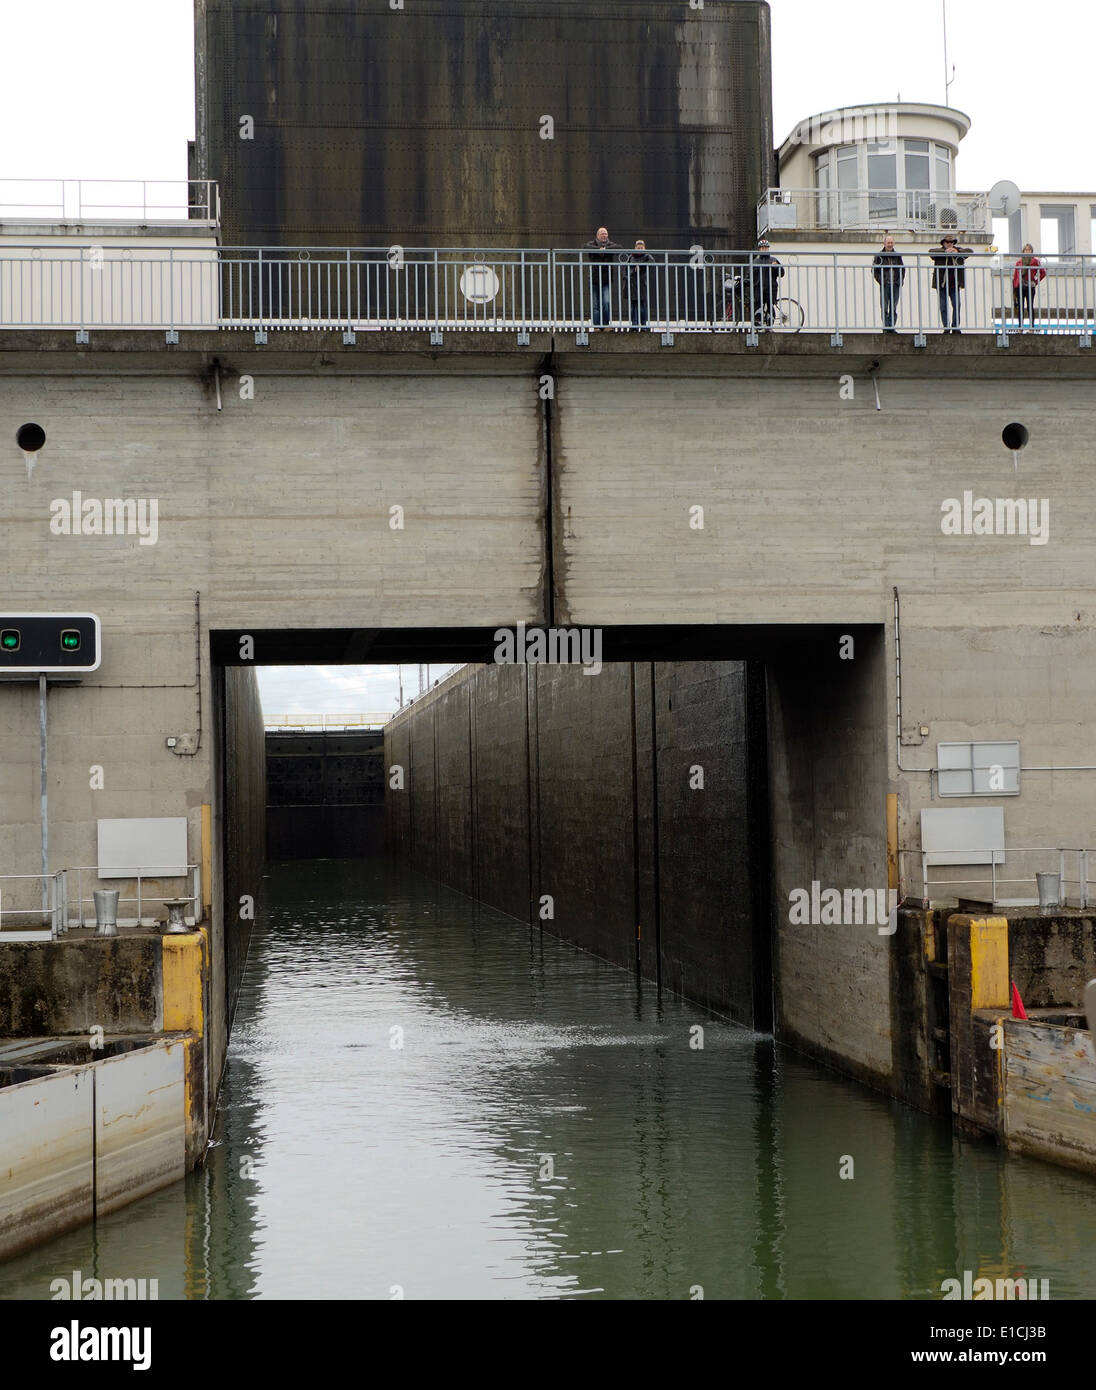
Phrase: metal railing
x=74 y=905
x=65 y=908
x=560 y=291
x=1000 y=873
x=873 y=209
x=144 y=201
x=275 y=722
x=54 y=910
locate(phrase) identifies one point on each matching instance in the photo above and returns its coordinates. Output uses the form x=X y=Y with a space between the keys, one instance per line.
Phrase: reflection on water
x=424 y=1095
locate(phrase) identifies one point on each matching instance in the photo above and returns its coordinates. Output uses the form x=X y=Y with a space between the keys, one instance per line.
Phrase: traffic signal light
x=44 y=643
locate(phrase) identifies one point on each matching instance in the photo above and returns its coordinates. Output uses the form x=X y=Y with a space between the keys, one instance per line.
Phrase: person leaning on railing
x=889 y=270
x=949 y=278
x=1027 y=276
x=601 y=282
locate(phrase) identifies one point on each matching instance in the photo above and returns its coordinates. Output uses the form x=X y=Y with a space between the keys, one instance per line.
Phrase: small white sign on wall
x=965 y=835
x=154 y=846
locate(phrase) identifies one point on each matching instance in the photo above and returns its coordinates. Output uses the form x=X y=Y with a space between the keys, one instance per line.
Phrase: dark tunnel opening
x=643 y=814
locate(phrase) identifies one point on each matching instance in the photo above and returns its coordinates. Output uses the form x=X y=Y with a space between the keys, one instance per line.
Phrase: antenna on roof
x=948 y=80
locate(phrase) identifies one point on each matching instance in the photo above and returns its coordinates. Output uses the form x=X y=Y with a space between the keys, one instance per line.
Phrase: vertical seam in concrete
x=410 y=794
x=636 y=910
x=473 y=876
x=657 y=851
x=436 y=798
x=94 y=1147
x=548 y=604
x=759 y=841
x=525 y=698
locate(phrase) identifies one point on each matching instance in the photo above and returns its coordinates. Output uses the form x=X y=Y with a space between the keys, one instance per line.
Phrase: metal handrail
x=193 y=874
x=55 y=909
x=556 y=291
x=77 y=199
x=975 y=873
x=325 y=721
x=874 y=209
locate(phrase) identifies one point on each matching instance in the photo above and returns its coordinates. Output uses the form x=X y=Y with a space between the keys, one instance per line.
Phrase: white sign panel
x=154 y=846
x=965 y=835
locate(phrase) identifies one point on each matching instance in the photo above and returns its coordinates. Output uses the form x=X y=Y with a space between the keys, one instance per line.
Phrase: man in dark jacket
x=765 y=273
x=601 y=276
x=949 y=278
x=889 y=270
x=639 y=283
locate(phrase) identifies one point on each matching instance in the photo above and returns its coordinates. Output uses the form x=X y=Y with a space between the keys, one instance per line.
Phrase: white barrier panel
x=140 y=1124
x=46 y=1159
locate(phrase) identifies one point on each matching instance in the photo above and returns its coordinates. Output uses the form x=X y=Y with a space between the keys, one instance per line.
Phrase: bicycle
x=786 y=312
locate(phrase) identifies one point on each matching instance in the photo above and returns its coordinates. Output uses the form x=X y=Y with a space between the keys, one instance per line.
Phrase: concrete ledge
x=52 y=349
x=80 y=982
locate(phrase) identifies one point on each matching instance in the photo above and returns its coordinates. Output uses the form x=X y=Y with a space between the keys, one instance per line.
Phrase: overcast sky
x=105 y=89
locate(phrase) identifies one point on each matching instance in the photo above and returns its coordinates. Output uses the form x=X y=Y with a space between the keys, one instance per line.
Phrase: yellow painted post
x=207 y=860
x=978 y=985
x=989 y=963
x=183 y=962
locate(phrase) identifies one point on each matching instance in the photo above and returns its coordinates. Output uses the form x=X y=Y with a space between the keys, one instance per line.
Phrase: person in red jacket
x=1027 y=275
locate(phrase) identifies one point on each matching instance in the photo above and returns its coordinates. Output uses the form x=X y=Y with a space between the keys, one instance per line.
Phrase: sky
x=105 y=89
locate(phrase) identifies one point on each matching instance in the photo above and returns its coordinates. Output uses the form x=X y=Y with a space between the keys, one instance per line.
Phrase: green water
x=547 y=1129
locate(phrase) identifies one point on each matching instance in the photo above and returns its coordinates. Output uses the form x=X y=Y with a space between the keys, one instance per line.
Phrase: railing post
x=138 y=899
x=837 y=313
x=1083 y=874
x=437 y=296
x=1061 y=871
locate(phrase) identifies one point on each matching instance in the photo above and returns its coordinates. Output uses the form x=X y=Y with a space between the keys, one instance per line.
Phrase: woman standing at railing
x=1027 y=276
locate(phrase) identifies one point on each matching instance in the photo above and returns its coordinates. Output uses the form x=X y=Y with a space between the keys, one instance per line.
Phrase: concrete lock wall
x=828 y=757
x=582 y=509
x=243 y=798
x=527 y=783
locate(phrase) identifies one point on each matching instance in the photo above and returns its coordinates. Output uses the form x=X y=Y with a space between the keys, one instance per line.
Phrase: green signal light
x=9 y=639
x=70 y=640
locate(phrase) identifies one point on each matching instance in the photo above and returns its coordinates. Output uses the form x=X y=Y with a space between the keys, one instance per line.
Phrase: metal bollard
x=106 y=911
x=175 y=924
